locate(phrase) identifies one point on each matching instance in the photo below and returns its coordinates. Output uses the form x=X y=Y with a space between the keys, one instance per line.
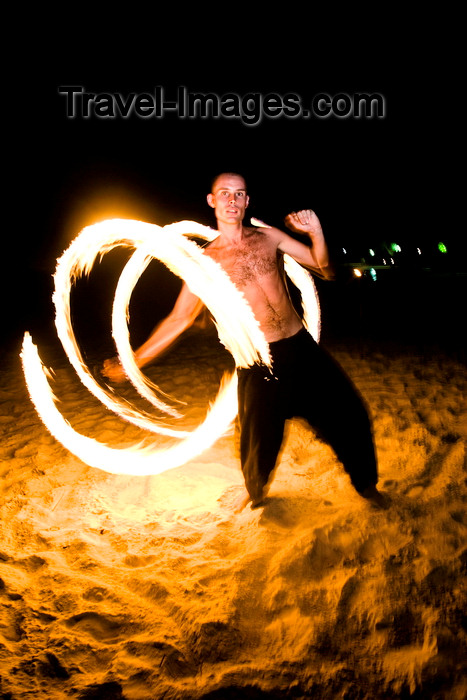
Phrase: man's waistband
x=276 y=344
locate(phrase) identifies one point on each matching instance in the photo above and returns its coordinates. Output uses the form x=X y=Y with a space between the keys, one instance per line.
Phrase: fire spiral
x=237 y=328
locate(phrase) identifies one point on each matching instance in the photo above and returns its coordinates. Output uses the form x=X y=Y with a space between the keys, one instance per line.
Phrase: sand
x=154 y=588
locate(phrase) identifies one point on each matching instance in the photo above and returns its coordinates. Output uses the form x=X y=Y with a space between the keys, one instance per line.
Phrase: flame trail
x=304 y=283
x=77 y=260
x=237 y=327
x=137 y=460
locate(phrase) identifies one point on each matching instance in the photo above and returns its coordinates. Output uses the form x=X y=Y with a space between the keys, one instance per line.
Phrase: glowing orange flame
x=138 y=460
x=237 y=327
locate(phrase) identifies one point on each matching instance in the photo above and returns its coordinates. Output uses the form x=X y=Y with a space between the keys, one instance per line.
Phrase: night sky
x=357 y=174
x=369 y=180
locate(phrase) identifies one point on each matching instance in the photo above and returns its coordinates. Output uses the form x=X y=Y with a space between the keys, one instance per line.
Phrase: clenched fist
x=304 y=221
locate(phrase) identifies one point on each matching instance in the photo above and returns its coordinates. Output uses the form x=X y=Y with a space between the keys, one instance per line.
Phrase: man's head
x=228 y=197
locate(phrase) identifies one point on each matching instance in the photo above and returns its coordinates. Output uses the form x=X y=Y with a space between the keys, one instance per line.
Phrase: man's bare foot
x=244 y=499
x=113 y=370
x=241 y=502
x=378 y=499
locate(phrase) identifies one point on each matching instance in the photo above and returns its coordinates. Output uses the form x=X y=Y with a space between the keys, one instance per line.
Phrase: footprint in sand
x=101 y=628
x=280 y=511
x=96 y=593
x=30 y=564
x=10 y=624
x=414 y=491
x=136 y=561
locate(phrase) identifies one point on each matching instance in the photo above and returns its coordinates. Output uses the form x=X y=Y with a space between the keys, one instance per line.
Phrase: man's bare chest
x=248 y=262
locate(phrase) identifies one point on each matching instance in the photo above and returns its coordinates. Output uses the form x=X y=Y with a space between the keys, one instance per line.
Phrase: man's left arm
x=316 y=255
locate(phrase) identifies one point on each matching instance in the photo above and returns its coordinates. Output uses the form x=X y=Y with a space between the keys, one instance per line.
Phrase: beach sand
x=151 y=588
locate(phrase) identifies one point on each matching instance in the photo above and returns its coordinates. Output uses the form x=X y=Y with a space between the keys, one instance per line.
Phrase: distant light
x=392 y=261
x=372 y=252
x=442 y=248
x=419 y=251
x=384 y=261
x=395 y=247
x=373 y=274
x=344 y=251
x=357 y=272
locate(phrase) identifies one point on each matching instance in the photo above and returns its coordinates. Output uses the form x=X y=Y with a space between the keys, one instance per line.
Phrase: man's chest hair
x=245 y=262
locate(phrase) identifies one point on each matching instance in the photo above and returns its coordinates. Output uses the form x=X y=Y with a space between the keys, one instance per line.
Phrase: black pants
x=307 y=383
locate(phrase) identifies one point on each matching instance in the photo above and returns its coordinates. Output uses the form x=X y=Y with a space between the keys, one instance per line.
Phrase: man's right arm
x=186 y=310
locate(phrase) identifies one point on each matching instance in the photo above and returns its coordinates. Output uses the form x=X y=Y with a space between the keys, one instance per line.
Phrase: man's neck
x=231 y=232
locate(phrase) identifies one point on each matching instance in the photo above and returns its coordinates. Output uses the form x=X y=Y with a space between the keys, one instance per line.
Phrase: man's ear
x=210 y=199
x=247 y=201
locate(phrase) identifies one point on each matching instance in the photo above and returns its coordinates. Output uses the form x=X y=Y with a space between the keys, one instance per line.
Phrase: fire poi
x=236 y=325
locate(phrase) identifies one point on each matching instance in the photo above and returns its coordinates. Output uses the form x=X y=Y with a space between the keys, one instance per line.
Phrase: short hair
x=229 y=174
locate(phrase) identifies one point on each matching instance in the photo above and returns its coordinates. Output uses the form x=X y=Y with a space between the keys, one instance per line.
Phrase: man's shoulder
x=270 y=232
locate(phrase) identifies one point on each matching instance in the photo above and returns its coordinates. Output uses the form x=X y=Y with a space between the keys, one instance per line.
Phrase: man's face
x=229 y=198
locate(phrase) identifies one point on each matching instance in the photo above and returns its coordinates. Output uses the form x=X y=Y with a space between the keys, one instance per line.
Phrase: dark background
x=371 y=181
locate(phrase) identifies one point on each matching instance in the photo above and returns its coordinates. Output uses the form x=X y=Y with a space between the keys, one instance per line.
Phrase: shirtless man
x=305 y=381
